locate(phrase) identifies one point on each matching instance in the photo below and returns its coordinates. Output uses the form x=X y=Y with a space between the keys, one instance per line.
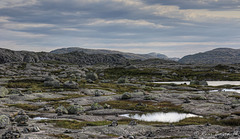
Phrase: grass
x=73 y=124
x=34 y=85
x=144 y=106
x=27 y=107
x=235 y=96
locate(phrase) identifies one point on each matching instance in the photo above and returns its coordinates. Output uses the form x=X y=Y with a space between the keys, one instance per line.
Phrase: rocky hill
x=216 y=56
x=8 y=56
x=102 y=51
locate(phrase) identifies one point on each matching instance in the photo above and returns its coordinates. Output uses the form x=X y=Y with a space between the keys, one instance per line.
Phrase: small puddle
x=169 y=117
x=40 y=118
x=210 y=83
x=227 y=90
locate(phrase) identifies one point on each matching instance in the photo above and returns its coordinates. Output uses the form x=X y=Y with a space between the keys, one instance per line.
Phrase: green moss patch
x=27 y=107
x=144 y=106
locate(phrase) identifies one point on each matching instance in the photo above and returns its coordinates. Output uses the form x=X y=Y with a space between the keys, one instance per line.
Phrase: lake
x=169 y=117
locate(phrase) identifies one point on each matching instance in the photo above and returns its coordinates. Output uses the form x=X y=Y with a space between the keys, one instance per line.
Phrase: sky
x=172 y=27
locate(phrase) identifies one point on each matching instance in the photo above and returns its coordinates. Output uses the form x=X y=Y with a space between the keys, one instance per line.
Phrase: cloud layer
x=172 y=27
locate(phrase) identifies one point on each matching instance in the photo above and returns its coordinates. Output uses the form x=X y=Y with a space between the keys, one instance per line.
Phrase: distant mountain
x=102 y=51
x=216 y=56
x=80 y=58
x=157 y=55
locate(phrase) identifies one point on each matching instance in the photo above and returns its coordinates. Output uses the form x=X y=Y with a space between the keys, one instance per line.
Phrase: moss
x=56 y=104
x=144 y=106
x=27 y=107
x=119 y=88
x=61 y=136
x=73 y=124
x=230 y=122
x=112 y=135
x=33 y=85
x=194 y=121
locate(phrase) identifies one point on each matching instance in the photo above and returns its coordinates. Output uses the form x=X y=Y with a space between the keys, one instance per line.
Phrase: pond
x=210 y=83
x=40 y=118
x=169 y=117
x=227 y=90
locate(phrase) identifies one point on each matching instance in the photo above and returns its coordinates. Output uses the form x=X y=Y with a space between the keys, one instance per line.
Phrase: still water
x=160 y=116
x=40 y=118
x=210 y=83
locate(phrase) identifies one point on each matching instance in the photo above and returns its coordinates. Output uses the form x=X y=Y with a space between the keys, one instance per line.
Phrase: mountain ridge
x=127 y=55
x=215 y=56
x=10 y=56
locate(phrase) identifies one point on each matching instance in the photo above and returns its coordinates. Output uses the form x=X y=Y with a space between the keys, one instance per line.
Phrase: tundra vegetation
x=69 y=101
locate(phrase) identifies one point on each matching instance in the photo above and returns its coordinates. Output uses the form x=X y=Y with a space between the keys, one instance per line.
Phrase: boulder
x=62 y=109
x=3 y=91
x=49 y=78
x=71 y=84
x=196 y=82
x=96 y=106
x=122 y=80
x=98 y=93
x=54 y=83
x=75 y=109
x=92 y=76
x=126 y=95
x=22 y=118
x=4 y=121
x=106 y=106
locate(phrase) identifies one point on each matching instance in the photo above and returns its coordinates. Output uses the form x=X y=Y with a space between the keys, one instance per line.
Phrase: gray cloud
x=200 y=4
x=139 y=25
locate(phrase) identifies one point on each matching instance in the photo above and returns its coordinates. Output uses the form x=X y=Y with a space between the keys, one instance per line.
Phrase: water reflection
x=227 y=90
x=160 y=116
x=40 y=118
x=210 y=83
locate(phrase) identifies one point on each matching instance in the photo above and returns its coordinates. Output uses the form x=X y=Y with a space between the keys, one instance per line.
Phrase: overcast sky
x=172 y=27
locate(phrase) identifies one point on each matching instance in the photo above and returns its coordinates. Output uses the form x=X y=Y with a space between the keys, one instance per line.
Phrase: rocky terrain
x=103 y=51
x=216 y=56
x=60 y=100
